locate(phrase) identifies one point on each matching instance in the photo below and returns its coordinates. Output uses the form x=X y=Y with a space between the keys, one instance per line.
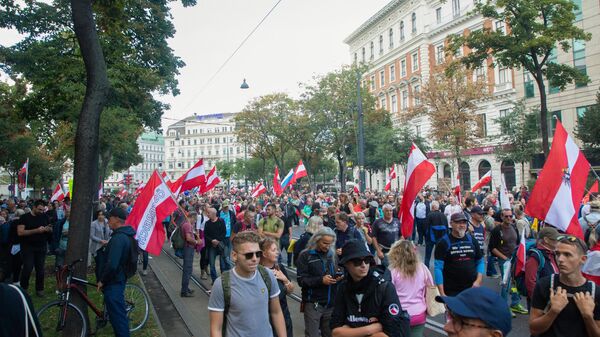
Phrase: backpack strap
x=540 y=257
x=226 y=285
x=266 y=278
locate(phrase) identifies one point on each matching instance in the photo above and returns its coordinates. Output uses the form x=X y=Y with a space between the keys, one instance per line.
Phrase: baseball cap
x=548 y=232
x=225 y=203
x=480 y=303
x=477 y=210
x=458 y=217
x=353 y=249
x=118 y=212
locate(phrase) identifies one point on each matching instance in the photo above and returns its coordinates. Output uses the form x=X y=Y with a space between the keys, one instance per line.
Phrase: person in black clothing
x=34 y=231
x=314 y=224
x=214 y=238
x=366 y=304
x=14 y=309
x=435 y=227
x=317 y=276
x=344 y=232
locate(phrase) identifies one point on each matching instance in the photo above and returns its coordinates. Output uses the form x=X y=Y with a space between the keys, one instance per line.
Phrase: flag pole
x=594 y=171
x=26 y=177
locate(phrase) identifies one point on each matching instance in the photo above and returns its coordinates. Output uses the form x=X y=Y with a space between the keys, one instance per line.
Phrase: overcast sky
x=300 y=39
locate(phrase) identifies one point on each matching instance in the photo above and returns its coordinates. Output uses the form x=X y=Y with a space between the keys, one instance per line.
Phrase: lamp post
x=361 y=134
x=245 y=86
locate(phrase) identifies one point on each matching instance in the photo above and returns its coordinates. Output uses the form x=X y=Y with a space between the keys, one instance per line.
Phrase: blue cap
x=481 y=303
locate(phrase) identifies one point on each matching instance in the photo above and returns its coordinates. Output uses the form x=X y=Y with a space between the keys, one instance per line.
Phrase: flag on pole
x=504 y=200
x=521 y=255
x=165 y=177
x=300 y=172
x=212 y=179
x=486 y=179
x=258 y=190
x=100 y=189
x=418 y=171
x=22 y=175
x=391 y=175
x=560 y=186
x=154 y=204
x=139 y=189
x=287 y=180
x=456 y=188
x=276 y=185
x=121 y=194
x=58 y=194
x=593 y=189
x=194 y=177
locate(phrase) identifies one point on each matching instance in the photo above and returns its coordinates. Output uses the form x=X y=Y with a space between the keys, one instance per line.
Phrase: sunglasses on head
x=573 y=239
x=357 y=262
x=250 y=255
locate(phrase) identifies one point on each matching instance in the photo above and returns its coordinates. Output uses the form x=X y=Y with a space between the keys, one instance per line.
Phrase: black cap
x=118 y=212
x=458 y=217
x=477 y=209
x=354 y=249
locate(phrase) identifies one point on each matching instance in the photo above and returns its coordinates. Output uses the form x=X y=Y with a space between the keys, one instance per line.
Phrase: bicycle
x=54 y=315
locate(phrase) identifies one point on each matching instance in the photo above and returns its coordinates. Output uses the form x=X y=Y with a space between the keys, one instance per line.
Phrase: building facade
x=211 y=137
x=402 y=43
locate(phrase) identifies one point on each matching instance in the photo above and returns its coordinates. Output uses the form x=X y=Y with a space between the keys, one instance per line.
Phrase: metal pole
x=246 y=165
x=361 y=135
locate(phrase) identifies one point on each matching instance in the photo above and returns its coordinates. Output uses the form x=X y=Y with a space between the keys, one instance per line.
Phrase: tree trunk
x=543 y=111
x=522 y=173
x=86 y=141
x=342 y=167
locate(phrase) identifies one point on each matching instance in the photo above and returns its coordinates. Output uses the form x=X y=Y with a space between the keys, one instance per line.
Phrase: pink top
x=411 y=292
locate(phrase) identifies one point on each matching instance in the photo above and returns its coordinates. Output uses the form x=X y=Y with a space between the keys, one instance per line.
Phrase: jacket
x=310 y=269
x=98 y=233
x=379 y=301
x=300 y=245
x=116 y=255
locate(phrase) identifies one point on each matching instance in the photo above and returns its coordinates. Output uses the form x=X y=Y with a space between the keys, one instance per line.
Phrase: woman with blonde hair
x=410 y=278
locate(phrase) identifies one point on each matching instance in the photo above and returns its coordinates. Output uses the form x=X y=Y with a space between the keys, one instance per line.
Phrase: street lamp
x=244 y=85
x=361 y=135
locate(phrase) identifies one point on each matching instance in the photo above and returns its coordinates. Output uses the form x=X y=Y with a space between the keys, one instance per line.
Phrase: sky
x=299 y=40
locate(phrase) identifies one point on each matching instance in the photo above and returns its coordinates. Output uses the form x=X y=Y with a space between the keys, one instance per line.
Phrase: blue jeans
x=228 y=247
x=212 y=255
x=114 y=299
x=515 y=298
x=491 y=265
x=428 y=250
x=144 y=260
x=420 y=224
x=188 y=268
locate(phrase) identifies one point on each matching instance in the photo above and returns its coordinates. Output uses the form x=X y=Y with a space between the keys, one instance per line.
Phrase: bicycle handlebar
x=74 y=263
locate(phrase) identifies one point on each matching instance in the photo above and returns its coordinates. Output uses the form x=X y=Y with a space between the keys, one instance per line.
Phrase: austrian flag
x=258 y=190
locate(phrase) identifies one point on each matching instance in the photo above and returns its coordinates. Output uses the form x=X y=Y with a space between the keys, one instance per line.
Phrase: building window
x=382 y=102
x=579 y=60
x=455 y=8
x=391 y=36
x=404 y=99
x=581 y=110
x=480 y=119
x=577 y=10
x=529 y=88
x=413 y=22
x=552 y=58
x=380 y=44
x=363 y=54
x=372 y=82
x=355 y=58
x=480 y=72
x=381 y=78
x=372 y=51
x=503 y=75
x=438 y=15
x=394 y=103
x=500 y=28
x=415 y=61
x=403 y=68
x=392 y=73
x=401 y=30
x=416 y=93
x=503 y=127
x=439 y=54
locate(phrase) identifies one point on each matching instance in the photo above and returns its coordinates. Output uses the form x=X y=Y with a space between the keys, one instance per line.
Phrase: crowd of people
x=357 y=274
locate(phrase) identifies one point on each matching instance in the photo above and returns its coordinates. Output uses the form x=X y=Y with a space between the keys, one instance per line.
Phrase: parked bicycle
x=54 y=315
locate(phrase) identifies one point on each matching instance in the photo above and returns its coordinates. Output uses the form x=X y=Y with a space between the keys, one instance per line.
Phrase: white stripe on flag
x=146 y=227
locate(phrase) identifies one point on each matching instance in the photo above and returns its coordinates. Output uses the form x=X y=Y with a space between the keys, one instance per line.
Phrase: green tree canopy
x=588 y=130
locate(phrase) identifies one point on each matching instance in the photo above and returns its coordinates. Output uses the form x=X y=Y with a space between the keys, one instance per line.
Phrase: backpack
x=446 y=239
x=177 y=239
x=553 y=277
x=226 y=285
x=520 y=279
x=130 y=267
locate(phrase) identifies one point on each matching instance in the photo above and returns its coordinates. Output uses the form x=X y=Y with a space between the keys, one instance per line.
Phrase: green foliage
x=588 y=130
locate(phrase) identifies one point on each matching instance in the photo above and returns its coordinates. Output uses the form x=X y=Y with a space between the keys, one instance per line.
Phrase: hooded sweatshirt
x=117 y=254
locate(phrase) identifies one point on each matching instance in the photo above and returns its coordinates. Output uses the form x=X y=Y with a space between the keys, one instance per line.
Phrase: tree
x=535 y=28
x=520 y=133
x=332 y=102
x=588 y=130
x=449 y=100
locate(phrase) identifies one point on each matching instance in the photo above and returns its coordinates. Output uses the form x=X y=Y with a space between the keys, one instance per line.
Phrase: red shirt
x=531 y=267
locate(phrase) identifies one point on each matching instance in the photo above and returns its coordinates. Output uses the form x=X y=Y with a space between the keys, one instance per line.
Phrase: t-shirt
x=249 y=304
x=569 y=321
x=460 y=262
x=386 y=233
x=411 y=292
x=30 y=221
x=186 y=228
x=509 y=240
x=226 y=216
x=271 y=225
x=479 y=234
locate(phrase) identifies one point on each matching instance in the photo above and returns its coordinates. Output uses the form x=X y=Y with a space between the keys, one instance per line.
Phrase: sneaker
x=513 y=314
x=145 y=272
x=519 y=309
x=203 y=275
x=188 y=294
x=494 y=276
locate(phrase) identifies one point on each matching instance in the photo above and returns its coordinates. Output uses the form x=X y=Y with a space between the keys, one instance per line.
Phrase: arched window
x=484 y=167
x=465 y=176
x=447 y=171
x=508 y=170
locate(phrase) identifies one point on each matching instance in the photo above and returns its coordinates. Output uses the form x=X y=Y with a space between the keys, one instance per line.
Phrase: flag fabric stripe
x=504 y=201
x=276 y=185
x=521 y=255
x=287 y=180
x=258 y=190
x=392 y=175
x=483 y=181
x=212 y=179
x=418 y=172
x=57 y=194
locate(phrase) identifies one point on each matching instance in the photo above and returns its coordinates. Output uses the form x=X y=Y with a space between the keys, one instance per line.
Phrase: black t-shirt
x=32 y=222
x=385 y=232
x=460 y=262
x=569 y=321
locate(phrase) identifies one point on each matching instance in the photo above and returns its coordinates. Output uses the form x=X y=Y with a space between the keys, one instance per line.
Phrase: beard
x=461 y=232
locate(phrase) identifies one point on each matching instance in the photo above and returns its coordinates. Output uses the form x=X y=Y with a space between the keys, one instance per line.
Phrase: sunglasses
x=359 y=261
x=250 y=255
x=572 y=239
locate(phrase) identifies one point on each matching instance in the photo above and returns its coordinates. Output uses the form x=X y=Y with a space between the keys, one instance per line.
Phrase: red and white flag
x=212 y=179
x=121 y=194
x=392 y=175
x=139 y=189
x=58 y=194
x=486 y=179
x=418 y=171
x=456 y=188
x=152 y=206
x=276 y=182
x=503 y=197
x=194 y=177
x=593 y=189
x=300 y=172
x=100 y=190
x=559 y=188
x=521 y=255
x=258 y=190
x=356 y=189
x=166 y=179
x=591 y=267
x=22 y=175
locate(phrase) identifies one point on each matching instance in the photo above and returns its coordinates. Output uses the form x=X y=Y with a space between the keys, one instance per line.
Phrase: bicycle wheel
x=50 y=318
x=137 y=306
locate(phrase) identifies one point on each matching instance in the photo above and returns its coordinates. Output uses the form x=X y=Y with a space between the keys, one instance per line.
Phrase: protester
x=385 y=232
x=541 y=261
x=188 y=251
x=344 y=232
x=314 y=224
x=99 y=235
x=271 y=226
x=411 y=279
x=435 y=227
x=214 y=235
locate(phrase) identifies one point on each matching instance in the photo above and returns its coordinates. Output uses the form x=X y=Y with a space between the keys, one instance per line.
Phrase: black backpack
x=130 y=267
